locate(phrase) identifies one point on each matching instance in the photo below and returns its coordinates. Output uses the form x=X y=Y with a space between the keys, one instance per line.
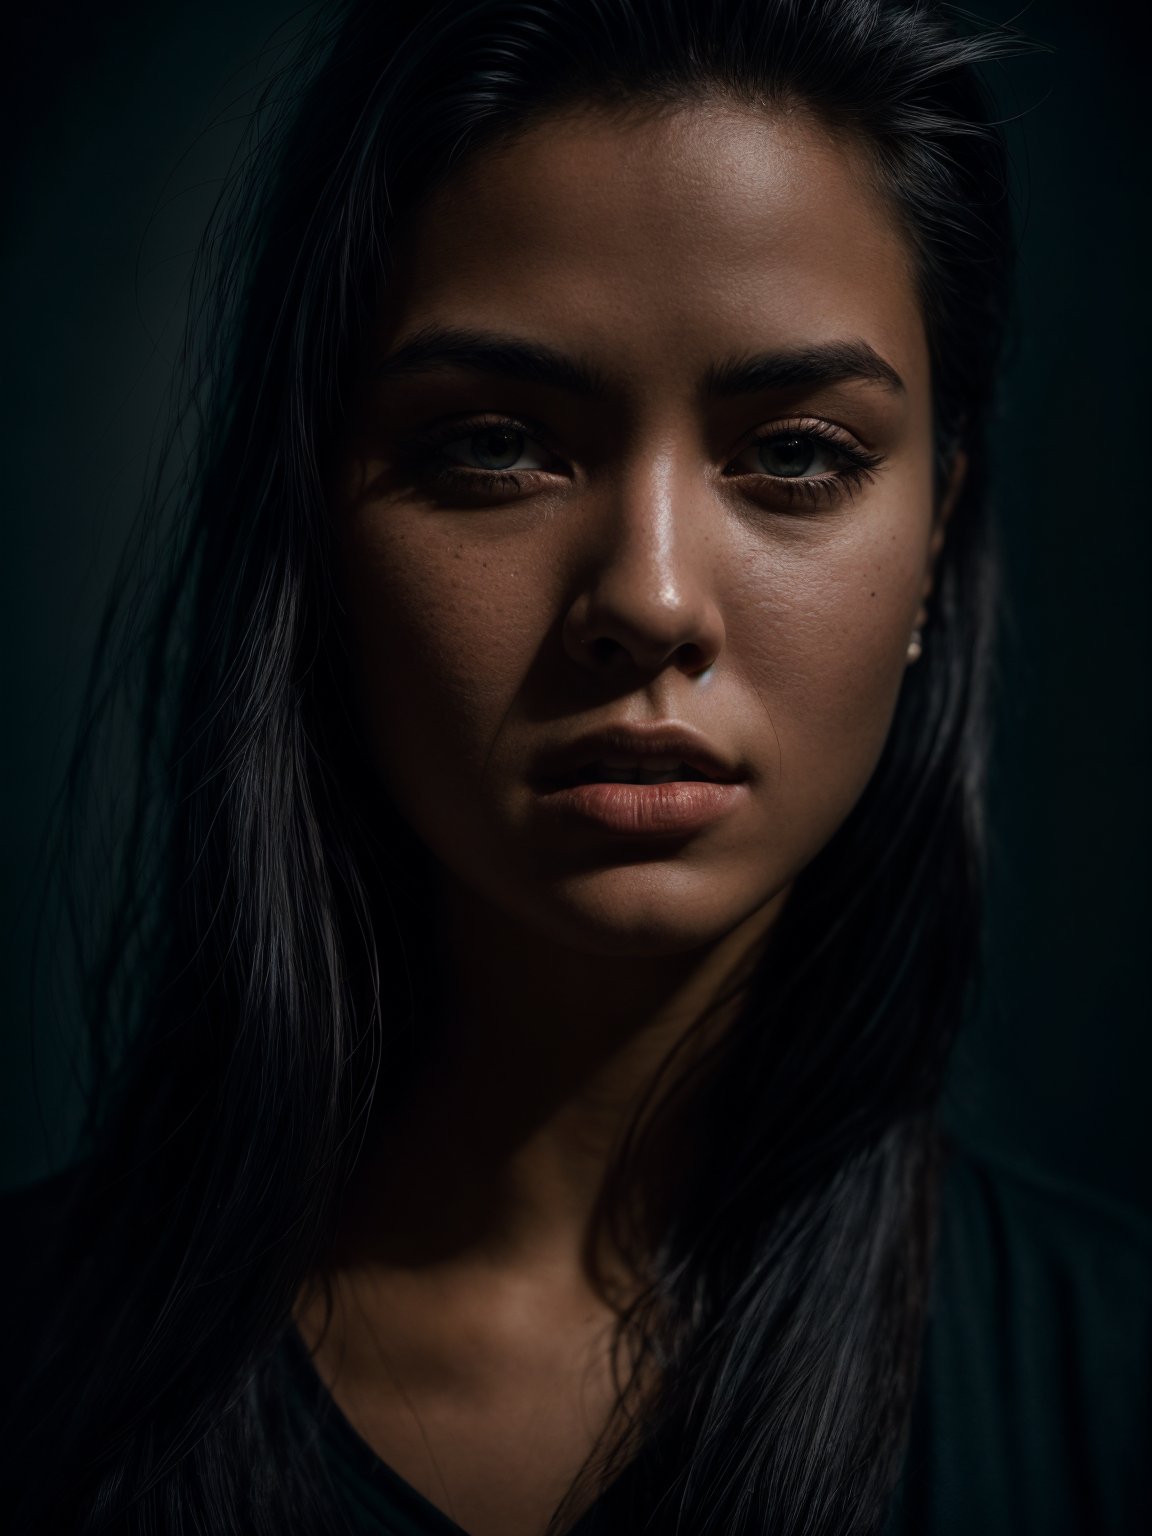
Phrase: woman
x=515 y=1081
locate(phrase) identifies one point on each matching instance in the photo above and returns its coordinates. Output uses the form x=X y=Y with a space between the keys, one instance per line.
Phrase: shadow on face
x=645 y=437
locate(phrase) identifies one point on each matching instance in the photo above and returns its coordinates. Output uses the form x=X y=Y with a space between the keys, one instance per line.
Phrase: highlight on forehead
x=623 y=104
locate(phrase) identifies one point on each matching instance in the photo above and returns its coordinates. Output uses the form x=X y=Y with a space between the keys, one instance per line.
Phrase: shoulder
x=1061 y=1274
x=1003 y=1224
x=1035 y=1410
x=36 y=1206
x=33 y=1218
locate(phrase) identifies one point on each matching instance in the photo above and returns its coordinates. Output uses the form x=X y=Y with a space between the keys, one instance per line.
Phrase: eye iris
x=787 y=455
x=497 y=447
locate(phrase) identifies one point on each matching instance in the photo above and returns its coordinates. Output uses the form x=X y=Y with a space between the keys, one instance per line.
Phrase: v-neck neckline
x=366 y=1469
x=358 y=1456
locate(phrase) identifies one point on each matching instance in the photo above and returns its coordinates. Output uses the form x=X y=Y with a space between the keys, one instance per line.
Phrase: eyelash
x=856 y=468
x=857 y=464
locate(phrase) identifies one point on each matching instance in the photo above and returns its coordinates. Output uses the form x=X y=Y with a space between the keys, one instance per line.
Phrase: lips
x=635 y=754
x=656 y=772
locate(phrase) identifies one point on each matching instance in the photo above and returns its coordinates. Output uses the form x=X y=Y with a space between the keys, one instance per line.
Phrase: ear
x=940 y=527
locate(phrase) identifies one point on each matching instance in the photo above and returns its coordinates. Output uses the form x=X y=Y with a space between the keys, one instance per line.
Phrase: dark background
x=119 y=122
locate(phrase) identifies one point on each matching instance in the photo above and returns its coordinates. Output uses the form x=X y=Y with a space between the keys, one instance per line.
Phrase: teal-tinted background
x=120 y=122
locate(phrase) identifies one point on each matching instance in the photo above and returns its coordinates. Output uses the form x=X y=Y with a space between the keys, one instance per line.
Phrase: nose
x=648 y=597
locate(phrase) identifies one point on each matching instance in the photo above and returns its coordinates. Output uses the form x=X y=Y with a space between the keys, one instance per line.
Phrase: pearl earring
x=916 y=646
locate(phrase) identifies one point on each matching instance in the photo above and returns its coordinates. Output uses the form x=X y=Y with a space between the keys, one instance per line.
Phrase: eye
x=795 y=454
x=495 y=447
x=816 y=462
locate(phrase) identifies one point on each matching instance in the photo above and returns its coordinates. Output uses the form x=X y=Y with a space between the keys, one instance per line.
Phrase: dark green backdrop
x=119 y=123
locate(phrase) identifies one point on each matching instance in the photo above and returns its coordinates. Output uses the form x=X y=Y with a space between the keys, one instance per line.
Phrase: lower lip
x=645 y=810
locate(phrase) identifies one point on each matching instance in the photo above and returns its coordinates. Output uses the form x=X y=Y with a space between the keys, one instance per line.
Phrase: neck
x=539 y=1059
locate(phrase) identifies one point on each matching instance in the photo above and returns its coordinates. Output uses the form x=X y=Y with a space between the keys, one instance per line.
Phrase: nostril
x=693 y=657
x=603 y=650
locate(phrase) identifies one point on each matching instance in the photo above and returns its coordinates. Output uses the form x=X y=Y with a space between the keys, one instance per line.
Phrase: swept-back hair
x=259 y=985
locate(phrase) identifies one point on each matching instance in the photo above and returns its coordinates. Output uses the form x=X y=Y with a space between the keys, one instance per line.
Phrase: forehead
x=657 y=242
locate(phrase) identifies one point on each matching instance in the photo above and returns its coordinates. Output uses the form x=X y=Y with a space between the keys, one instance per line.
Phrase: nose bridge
x=650 y=580
x=645 y=532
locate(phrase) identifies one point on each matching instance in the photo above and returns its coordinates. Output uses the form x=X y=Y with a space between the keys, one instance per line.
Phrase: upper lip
x=635 y=743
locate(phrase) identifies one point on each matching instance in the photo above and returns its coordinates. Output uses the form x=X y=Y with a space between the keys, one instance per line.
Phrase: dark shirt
x=1034 y=1409
x=1034 y=1415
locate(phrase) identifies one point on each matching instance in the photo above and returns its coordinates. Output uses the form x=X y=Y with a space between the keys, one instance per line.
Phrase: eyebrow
x=822 y=364
x=818 y=365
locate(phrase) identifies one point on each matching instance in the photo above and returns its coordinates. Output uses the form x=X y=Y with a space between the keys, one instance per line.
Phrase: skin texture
x=649 y=567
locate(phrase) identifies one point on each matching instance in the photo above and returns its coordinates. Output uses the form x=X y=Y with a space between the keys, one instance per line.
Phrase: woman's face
x=644 y=441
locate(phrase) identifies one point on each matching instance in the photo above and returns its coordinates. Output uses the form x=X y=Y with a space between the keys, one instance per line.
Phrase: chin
x=646 y=909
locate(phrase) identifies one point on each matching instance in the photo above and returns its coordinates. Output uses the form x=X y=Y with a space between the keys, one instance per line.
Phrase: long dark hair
x=258 y=988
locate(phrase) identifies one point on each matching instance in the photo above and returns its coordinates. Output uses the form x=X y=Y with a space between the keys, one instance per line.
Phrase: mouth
x=635 y=773
x=640 y=801
x=651 y=754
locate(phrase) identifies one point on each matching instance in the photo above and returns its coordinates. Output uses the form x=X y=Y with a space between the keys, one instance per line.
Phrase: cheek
x=821 y=631
x=439 y=635
x=450 y=626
